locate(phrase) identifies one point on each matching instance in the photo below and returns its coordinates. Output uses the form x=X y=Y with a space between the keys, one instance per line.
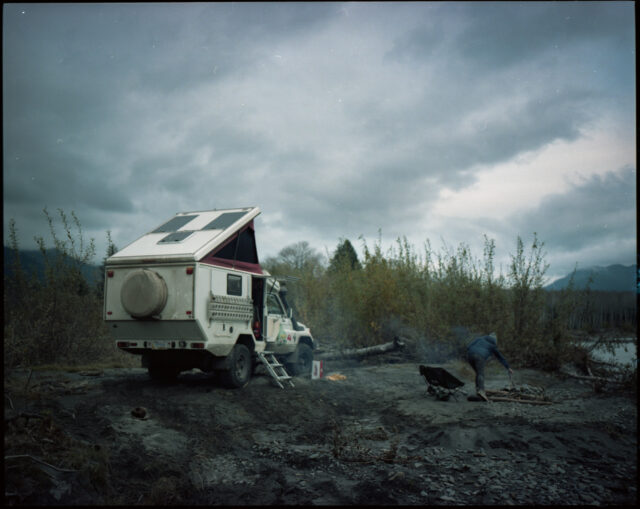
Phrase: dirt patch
x=376 y=437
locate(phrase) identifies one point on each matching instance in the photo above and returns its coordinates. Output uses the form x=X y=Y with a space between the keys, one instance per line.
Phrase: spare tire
x=143 y=293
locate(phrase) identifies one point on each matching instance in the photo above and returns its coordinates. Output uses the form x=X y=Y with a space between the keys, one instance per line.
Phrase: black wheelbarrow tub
x=440 y=377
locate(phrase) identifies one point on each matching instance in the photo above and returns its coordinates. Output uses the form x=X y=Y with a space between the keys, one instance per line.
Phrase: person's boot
x=483 y=395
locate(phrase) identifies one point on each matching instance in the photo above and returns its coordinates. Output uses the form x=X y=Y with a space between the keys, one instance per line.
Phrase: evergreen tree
x=344 y=255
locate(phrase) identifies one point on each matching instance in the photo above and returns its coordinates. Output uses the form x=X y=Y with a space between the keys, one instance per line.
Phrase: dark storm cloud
x=489 y=139
x=505 y=71
x=502 y=34
x=70 y=68
x=600 y=210
x=386 y=193
x=38 y=178
x=499 y=34
x=335 y=119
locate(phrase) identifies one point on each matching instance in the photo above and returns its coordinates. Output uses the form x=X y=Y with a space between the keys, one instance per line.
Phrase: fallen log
x=514 y=400
x=396 y=344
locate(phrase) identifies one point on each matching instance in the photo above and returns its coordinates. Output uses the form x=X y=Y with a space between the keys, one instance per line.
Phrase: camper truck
x=191 y=294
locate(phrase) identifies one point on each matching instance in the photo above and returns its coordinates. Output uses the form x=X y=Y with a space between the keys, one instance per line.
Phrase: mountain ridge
x=610 y=278
x=32 y=262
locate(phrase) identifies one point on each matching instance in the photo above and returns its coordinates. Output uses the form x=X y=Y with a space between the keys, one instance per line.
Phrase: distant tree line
x=601 y=310
x=437 y=298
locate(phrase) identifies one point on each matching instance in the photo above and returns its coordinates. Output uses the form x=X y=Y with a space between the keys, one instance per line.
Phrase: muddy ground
x=376 y=437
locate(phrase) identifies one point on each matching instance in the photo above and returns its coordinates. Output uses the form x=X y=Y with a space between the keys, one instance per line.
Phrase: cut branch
x=513 y=400
x=37 y=460
x=513 y=394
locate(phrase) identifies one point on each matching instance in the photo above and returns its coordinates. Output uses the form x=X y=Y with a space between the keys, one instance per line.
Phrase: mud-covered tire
x=240 y=368
x=305 y=361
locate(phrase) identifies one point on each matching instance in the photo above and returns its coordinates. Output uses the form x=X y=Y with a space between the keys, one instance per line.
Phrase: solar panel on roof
x=174 y=224
x=175 y=237
x=223 y=221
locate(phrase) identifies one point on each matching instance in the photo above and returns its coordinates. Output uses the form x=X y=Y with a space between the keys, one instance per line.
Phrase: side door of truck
x=280 y=332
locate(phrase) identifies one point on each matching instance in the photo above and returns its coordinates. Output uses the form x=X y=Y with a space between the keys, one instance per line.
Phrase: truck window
x=273 y=305
x=234 y=285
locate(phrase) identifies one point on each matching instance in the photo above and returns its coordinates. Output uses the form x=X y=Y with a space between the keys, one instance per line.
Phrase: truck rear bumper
x=150 y=330
x=139 y=346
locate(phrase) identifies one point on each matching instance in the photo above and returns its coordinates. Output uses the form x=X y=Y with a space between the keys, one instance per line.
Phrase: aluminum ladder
x=275 y=369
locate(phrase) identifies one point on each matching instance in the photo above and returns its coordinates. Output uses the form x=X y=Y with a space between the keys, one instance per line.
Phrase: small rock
x=140 y=413
x=396 y=475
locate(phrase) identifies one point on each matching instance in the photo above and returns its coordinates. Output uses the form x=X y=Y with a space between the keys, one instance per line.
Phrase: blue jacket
x=485 y=347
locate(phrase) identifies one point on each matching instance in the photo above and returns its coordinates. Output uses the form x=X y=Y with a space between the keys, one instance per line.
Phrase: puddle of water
x=624 y=352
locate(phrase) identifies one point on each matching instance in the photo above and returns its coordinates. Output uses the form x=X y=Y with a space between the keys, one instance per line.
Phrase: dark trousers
x=477 y=363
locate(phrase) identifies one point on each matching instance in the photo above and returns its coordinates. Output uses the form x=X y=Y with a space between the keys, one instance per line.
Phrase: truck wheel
x=240 y=367
x=305 y=361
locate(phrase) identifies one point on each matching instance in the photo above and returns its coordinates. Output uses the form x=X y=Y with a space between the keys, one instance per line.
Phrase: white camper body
x=191 y=294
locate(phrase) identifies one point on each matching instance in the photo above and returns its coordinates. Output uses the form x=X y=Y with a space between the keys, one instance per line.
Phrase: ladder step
x=274 y=368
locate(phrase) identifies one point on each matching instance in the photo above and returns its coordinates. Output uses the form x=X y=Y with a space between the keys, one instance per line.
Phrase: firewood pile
x=525 y=394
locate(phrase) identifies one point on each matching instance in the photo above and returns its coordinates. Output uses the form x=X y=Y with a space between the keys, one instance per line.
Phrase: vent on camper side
x=223 y=307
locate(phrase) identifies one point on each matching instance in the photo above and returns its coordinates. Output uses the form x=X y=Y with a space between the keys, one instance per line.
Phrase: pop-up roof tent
x=224 y=238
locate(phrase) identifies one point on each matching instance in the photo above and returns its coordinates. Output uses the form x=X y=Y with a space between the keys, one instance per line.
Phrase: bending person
x=480 y=349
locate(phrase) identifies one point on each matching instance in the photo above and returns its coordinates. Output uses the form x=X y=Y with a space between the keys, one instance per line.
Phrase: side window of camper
x=234 y=285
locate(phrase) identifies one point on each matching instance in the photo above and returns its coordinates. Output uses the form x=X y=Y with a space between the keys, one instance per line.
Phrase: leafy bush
x=444 y=298
x=56 y=319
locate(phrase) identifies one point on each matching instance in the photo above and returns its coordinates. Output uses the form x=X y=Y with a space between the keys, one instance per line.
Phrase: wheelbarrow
x=440 y=383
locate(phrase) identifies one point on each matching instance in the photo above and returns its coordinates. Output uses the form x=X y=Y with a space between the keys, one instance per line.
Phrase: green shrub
x=56 y=318
x=355 y=303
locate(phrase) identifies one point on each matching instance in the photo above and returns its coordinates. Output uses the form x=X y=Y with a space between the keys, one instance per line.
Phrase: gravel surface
x=376 y=437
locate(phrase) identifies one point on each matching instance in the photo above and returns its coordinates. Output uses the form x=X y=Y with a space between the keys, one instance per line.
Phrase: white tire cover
x=143 y=294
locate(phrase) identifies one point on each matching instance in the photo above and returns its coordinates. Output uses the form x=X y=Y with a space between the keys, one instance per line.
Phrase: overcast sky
x=444 y=121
